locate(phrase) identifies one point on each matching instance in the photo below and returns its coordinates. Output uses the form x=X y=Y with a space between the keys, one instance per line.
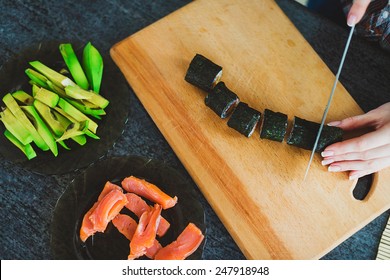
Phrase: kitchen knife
x=329 y=101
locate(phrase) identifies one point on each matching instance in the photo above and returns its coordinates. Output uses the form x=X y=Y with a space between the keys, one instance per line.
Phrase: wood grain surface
x=255 y=186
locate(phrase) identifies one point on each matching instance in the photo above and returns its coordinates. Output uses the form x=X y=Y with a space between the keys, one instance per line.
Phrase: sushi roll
x=244 y=119
x=222 y=100
x=203 y=73
x=274 y=126
x=303 y=135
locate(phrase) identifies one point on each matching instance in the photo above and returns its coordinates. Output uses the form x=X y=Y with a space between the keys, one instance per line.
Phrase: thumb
x=354 y=122
x=357 y=11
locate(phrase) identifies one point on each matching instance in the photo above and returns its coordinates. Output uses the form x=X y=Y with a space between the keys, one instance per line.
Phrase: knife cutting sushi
x=329 y=100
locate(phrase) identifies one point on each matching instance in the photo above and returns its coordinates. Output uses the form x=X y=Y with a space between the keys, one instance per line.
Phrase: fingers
x=354 y=122
x=360 y=168
x=359 y=144
x=357 y=11
x=359 y=163
x=379 y=152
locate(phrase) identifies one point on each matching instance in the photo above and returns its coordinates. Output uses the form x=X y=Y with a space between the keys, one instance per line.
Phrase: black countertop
x=27 y=199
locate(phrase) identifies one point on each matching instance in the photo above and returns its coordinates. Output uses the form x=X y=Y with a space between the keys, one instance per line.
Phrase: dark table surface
x=27 y=199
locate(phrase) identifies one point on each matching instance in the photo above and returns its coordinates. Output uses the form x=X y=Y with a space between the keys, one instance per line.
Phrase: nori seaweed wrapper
x=221 y=100
x=203 y=73
x=244 y=119
x=274 y=125
x=304 y=133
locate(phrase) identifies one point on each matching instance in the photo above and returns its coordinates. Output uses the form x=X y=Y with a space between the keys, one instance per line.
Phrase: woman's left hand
x=365 y=154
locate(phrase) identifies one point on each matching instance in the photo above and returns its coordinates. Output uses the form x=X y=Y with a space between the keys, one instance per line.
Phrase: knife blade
x=329 y=100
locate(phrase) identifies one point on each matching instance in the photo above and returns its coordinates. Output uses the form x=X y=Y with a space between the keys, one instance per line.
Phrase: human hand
x=357 y=11
x=365 y=154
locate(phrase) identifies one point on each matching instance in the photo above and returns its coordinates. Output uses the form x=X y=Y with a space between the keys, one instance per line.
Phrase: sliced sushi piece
x=87 y=228
x=149 y=191
x=145 y=234
x=127 y=226
x=303 y=135
x=244 y=119
x=222 y=100
x=106 y=210
x=273 y=126
x=138 y=206
x=186 y=243
x=203 y=73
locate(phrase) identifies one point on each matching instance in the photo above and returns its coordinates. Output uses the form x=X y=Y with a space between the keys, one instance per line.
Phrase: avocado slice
x=47 y=97
x=26 y=149
x=23 y=97
x=76 y=114
x=93 y=66
x=36 y=78
x=76 y=92
x=74 y=65
x=35 y=89
x=13 y=106
x=15 y=127
x=58 y=79
x=54 y=88
x=80 y=139
x=50 y=118
x=41 y=127
x=82 y=107
x=69 y=117
x=74 y=129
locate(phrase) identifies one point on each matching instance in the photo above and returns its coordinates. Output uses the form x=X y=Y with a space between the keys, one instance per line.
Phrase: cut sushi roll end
x=203 y=73
x=303 y=135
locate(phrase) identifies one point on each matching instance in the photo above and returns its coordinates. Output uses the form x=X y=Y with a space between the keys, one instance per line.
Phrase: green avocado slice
x=23 y=97
x=13 y=106
x=93 y=66
x=15 y=127
x=76 y=92
x=74 y=129
x=41 y=127
x=26 y=149
x=47 y=97
x=50 y=118
x=76 y=114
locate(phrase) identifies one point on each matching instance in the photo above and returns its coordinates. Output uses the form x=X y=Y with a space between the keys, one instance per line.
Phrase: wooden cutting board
x=255 y=186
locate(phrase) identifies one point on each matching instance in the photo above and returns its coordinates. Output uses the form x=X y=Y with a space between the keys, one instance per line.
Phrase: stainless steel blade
x=329 y=101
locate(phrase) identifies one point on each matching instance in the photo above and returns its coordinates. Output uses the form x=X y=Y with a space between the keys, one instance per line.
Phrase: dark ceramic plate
x=83 y=191
x=114 y=88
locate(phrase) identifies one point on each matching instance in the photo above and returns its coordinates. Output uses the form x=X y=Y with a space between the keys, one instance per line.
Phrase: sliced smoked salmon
x=125 y=225
x=145 y=234
x=87 y=228
x=152 y=251
x=106 y=210
x=149 y=191
x=186 y=243
x=138 y=206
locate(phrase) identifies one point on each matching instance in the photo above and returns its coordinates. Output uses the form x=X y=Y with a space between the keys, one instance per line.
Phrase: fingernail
x=351 y=21
x=327 y=153
x=335 y=123
x=334 y=168
x=327 y=161
x=353 y=177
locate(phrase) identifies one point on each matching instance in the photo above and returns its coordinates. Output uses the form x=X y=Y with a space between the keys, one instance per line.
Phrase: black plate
x=83 y=191
x=114 y=88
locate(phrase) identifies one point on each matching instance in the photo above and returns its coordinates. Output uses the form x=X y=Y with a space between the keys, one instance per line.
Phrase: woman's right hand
x=357 y=11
